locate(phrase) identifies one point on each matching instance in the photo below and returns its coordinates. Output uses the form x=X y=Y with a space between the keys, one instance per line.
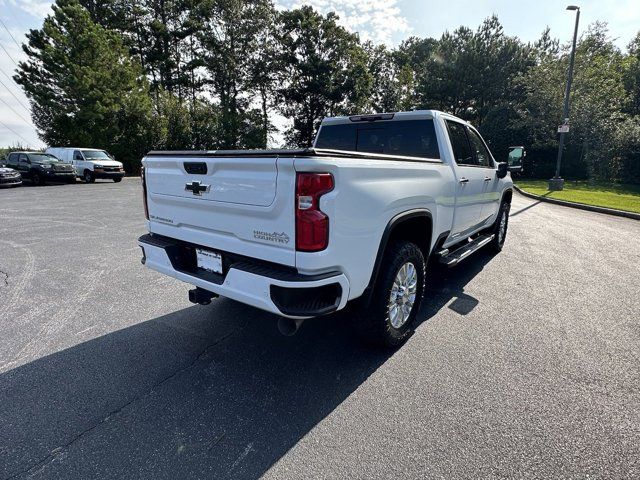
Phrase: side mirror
x=503 y=169
x=516 y=157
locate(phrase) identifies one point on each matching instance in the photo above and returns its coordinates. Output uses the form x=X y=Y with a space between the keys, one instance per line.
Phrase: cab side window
x=460 y=143
x=12 y=161
x=480 y=149
x=77 y=155
x=24 y=158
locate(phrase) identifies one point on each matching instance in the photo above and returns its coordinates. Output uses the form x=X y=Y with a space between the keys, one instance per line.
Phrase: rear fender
x=393 y=224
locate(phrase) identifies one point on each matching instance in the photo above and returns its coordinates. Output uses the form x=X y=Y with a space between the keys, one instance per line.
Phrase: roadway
x=524 y=365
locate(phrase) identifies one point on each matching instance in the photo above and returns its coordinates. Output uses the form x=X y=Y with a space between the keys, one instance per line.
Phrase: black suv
x=41 y=168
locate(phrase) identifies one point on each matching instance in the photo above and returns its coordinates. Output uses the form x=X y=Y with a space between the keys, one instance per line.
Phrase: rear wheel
x=389 y=318
x=88 y=176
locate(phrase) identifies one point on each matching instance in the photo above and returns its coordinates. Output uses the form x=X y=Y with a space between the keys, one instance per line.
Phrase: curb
x=580 y=206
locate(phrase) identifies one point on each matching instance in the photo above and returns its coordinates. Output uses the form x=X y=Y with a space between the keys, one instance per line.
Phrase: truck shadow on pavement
x=204 y=392
x=445 y=285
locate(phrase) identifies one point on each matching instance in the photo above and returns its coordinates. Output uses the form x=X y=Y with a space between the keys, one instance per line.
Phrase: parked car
x=90 y=163
x=355 y=220
x=41 y=168
x=9 y=177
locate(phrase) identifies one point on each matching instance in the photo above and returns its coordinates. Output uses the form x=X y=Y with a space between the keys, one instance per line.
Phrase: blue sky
x=383 y=21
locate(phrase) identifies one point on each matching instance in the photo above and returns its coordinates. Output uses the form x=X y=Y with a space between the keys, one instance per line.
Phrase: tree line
x=130 y=76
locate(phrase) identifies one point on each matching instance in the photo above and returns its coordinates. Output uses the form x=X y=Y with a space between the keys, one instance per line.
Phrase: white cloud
x=375 y=20
x=35 y=8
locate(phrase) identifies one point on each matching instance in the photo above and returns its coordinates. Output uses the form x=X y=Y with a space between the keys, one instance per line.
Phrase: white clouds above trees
x=375 y=20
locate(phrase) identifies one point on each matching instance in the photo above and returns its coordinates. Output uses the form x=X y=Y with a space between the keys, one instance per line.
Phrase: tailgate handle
x=196 y=168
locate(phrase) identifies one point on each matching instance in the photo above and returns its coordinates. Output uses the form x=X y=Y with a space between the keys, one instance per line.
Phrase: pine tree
x=84 y=88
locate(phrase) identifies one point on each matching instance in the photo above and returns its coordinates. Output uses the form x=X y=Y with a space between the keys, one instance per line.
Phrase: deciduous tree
x=324 y=72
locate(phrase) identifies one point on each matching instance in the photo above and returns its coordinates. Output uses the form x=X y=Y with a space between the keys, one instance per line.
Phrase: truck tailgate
x=243 y=205
x=244 y=181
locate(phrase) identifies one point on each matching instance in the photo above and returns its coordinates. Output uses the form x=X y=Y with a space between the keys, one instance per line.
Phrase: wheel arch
x=507 y=195
x=413 y=225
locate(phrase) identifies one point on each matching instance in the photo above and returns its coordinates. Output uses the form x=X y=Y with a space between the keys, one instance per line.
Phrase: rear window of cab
x=407 y=138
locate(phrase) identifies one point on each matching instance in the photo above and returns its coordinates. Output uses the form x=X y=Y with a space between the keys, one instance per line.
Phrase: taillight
x=312 y=225
x=144 y=193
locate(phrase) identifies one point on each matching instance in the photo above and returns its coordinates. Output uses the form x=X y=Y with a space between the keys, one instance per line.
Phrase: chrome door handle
x=487 y=179
x=464 y=180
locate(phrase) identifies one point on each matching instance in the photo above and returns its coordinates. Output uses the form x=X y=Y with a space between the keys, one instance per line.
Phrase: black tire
x=117 y=180
x=497 y=229
x=88 y=177
x=374 y=323
x=37 y=179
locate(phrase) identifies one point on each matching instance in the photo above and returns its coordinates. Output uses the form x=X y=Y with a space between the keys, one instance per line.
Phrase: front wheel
x=117 y=180
x=389 y=318
x=500 y=228
x=37 y=179
x=88 y=177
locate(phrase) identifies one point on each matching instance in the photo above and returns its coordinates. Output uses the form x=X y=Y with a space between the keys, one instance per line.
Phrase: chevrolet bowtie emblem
x=197 y=188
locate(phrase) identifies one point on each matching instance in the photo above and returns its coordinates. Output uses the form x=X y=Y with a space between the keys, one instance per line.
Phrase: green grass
x=620 y=197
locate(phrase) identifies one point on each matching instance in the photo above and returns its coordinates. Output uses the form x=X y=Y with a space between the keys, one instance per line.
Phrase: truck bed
x=289 y=153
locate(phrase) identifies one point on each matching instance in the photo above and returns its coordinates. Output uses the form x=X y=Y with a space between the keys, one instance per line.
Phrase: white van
x=90 y=163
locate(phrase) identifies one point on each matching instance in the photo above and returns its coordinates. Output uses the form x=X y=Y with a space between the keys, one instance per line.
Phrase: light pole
x=557 y=183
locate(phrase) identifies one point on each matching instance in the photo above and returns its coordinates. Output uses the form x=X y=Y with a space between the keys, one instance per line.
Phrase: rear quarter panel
x=368 y=193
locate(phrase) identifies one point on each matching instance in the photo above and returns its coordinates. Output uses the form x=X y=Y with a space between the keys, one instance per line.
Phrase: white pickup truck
x=353 y=220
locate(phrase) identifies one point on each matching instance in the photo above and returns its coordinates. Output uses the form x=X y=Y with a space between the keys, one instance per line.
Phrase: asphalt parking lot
x=523 y=365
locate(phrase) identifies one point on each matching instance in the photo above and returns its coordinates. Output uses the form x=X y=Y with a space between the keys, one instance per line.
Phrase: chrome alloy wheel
x=502 y=230
x=403 y=295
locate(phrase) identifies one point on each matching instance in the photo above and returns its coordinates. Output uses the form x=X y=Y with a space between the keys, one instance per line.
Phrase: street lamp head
x=573 y=7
